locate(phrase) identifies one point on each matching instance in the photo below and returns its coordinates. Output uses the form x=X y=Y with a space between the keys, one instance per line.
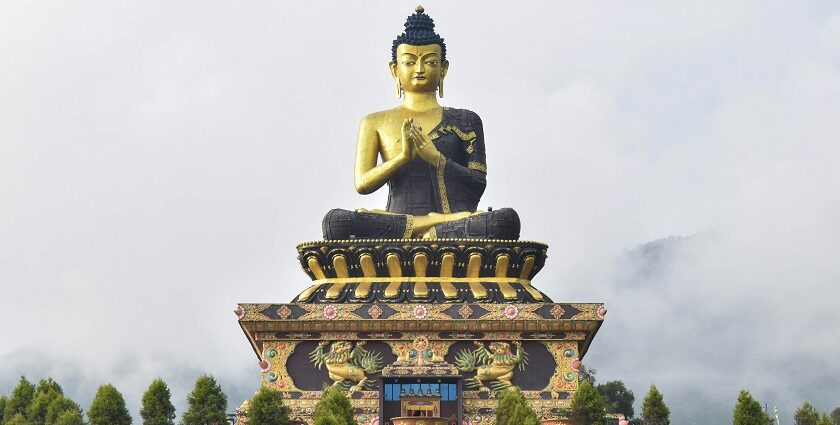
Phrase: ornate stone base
x=456 y=318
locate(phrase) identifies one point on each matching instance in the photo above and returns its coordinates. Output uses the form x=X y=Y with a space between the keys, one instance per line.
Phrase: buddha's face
x=419 y=68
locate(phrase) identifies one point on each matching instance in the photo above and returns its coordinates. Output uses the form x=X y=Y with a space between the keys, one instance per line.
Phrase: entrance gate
x=425 y=398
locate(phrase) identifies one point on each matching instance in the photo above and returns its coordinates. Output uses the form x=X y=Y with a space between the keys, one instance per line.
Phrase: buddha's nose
x=420 y=68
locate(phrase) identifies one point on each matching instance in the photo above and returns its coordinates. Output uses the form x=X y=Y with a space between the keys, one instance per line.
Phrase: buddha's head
x=418 y=56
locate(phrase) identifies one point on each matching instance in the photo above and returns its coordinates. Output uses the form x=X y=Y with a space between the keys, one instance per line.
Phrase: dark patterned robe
x=456 y=183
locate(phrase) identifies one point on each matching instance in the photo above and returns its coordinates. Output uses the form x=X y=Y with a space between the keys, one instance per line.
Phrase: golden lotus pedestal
x=420 y=421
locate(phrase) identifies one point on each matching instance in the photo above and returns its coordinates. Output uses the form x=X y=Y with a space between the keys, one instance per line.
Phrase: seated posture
x=433 y=158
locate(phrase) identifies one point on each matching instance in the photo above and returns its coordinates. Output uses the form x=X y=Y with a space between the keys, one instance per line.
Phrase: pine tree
x=60 y=407
x=513 y=409
x=108 y=407
x=334 y=406
x=17 y=419
x=70 y=417
x=206 y=404
x=748 y=411
x=806 y=415
x=157 y=408
x=267 y=408
x=18 y=403
x=45 y=393
x=824 y=419
x=587 y=408
x=654 y=410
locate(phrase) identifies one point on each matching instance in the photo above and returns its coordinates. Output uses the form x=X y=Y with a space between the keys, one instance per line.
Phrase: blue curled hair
x=419 y=31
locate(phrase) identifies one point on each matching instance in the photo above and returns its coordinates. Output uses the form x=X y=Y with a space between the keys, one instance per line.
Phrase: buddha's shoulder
x=464 y=116
x=380 y=116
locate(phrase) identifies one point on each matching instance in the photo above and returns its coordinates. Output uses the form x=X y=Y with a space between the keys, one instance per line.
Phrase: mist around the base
x=159 y=161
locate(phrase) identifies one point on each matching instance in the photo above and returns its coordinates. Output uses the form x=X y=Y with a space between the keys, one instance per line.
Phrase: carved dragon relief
x=495 y=362
x=347 y=364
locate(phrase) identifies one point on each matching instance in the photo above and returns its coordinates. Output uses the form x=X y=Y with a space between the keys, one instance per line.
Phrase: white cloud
x=159 y=161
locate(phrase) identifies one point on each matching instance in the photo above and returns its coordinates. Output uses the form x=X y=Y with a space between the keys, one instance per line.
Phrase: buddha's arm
x=368 y=176
x=470 y=180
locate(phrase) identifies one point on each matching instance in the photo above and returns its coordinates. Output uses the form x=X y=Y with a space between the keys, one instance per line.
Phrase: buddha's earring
x=399 y=88
x=440 y=88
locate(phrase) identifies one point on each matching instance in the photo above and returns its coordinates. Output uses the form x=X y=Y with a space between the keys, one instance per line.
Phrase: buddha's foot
x=344 y=224
x=499 y=224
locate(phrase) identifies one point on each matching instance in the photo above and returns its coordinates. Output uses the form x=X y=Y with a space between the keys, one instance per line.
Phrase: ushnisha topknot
x=419 y=31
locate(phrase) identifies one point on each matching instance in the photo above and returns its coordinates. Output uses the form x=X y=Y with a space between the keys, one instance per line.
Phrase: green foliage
x=334 y=407
x=3 y=400
x=617 y=398
x=328 y=419
x=824 y=419
x=157 y=408
x=654 y=410
x=806 y=415
x=513 y=409
x=18 y=403
x=587 y=374
x=46 y=392
x=835 y=416
x=748 y=411
x=70 y=417
x=206 y=403
x=108 y=407
x=587 y=408
x=17 y=419
x=267 y=408
x=58 y=408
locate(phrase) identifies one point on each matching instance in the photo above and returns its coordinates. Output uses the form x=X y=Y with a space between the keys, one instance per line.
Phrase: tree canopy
x=806 y=415
x=587 y=408
x=267 y=408
x=46 y=392
x=18 y=403
x=835 y=416
x=748 y=411
x=513 y=409
x=206 y=403
x=156 y=405
x=70 y=417
x=62 y=409
x=334 y=408
x=654 y=410
x=3 y=400
x=108 y=408
x=617 y=398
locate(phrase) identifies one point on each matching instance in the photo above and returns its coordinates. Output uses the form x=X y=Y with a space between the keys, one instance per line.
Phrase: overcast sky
x=160 y=160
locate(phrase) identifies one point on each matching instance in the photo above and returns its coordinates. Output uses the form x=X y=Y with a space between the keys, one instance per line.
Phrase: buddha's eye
x=409 y=63
x=432 y=62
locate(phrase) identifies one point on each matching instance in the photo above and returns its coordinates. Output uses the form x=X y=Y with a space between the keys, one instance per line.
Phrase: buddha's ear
x=398 y=90
x=444 y=68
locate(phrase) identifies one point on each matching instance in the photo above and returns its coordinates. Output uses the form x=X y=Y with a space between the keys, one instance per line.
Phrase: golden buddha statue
x=432 y=157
